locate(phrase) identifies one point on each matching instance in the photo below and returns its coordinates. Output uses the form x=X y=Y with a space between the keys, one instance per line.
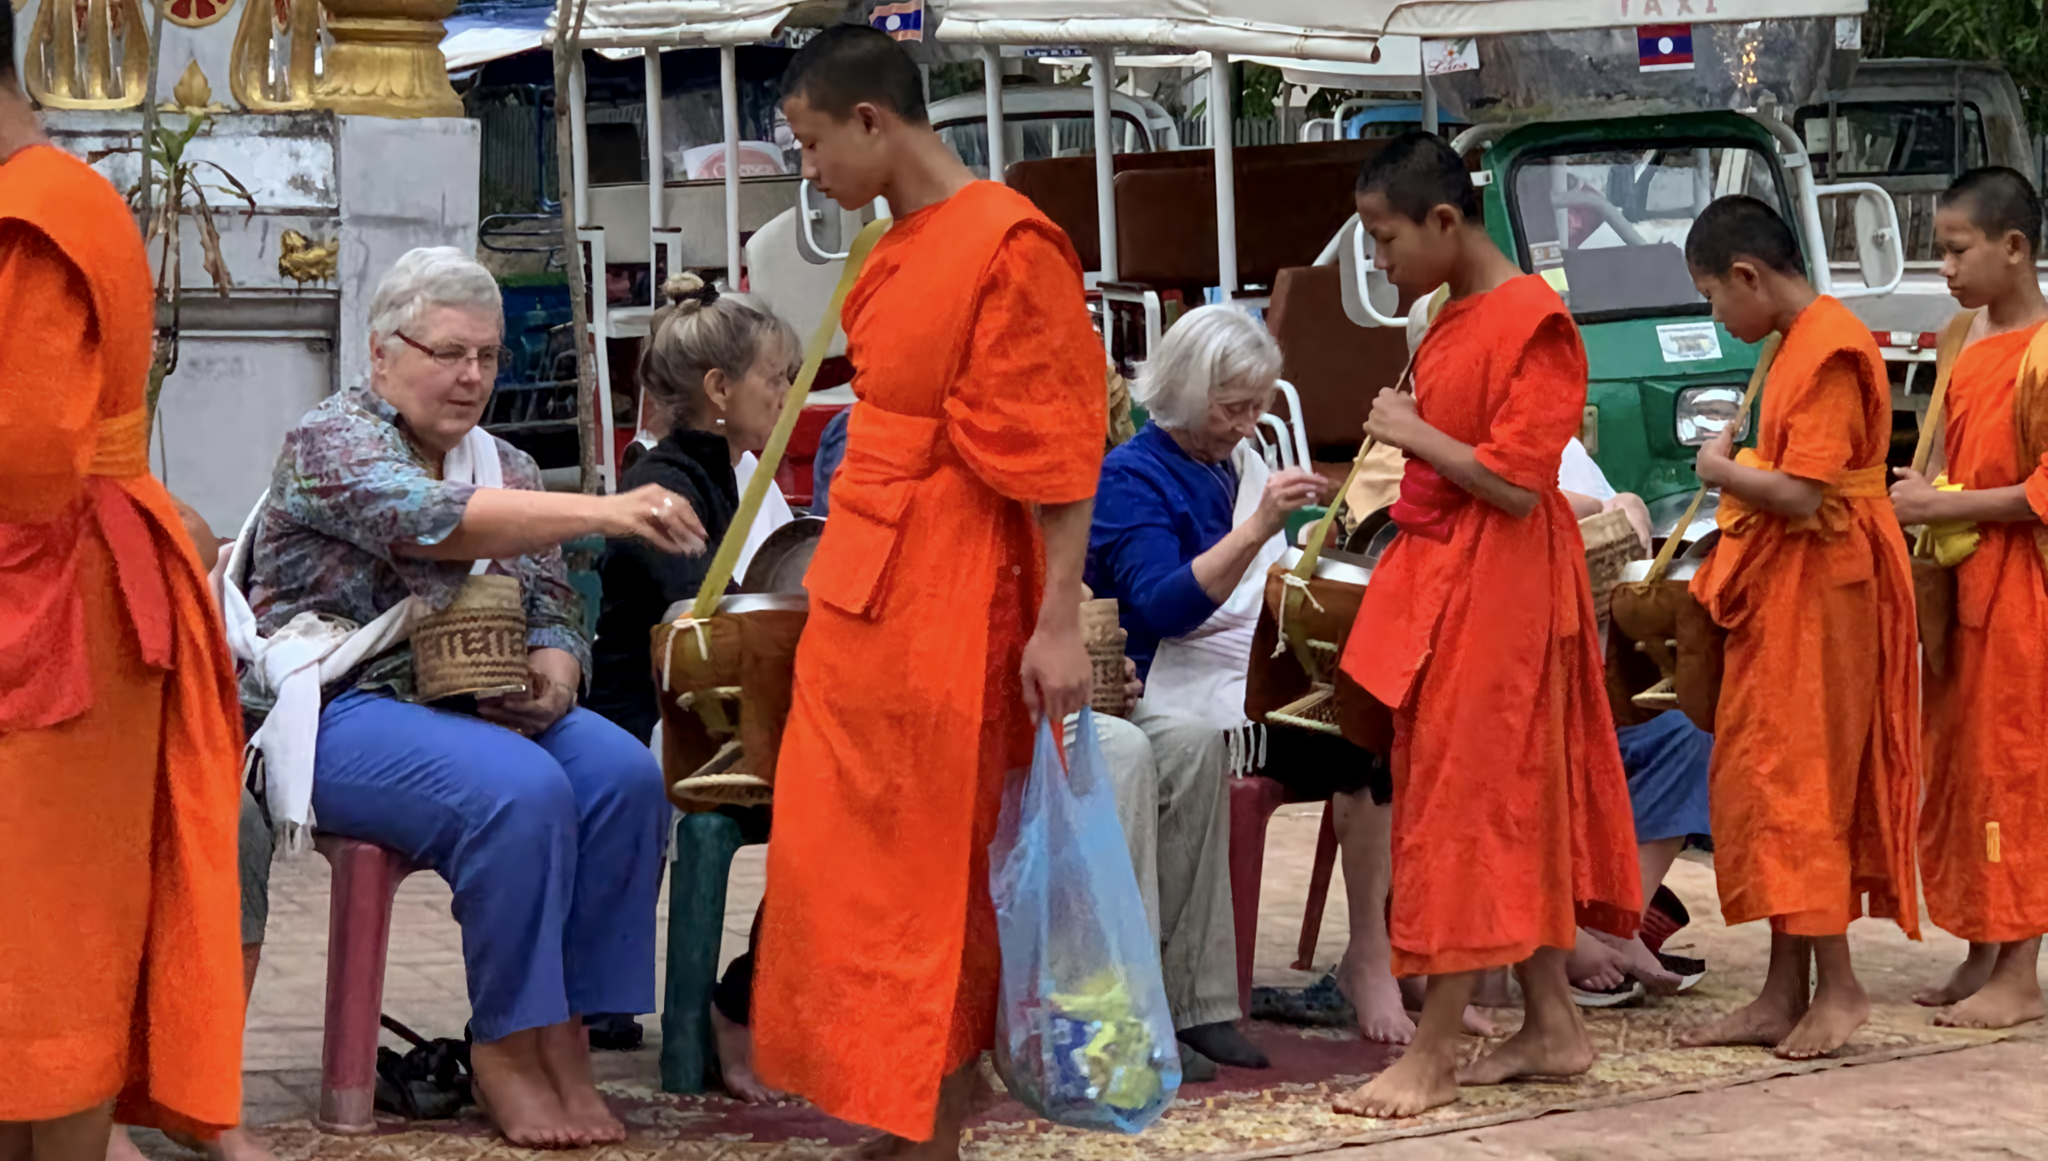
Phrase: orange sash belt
x=44 y=670
x=120 y=447
x=1871 y=483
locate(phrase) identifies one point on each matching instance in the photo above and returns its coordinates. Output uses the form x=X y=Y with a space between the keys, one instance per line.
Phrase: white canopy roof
x=1399 y=66
x=1334 y=30
x=680 y=23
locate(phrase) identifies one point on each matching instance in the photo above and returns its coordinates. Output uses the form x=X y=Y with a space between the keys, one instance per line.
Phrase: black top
x=640 y=582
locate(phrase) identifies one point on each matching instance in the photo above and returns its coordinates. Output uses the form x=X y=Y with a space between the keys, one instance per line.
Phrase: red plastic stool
x=1252 y=803
x=365 y=880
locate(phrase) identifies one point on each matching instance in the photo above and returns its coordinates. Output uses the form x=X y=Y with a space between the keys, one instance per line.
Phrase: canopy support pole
x=1431 y=121
x=1105 y=163
x=729 y=94
x=657 y=177
x=579 y=143
x=1222 y=141
x=992 y=83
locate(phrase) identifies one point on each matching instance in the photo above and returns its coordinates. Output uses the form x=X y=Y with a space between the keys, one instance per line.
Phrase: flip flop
x=1689 y=971
x=1628 y=991
x=1320 y=1005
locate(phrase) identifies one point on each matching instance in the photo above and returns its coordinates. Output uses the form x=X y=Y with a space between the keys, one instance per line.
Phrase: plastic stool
x=365 y=881
x=705 y=845
x=1252 y=803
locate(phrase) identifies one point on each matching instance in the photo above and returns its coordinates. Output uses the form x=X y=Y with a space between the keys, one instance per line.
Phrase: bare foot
x=1409 y=1087
x=1764 y=1022
x=120 y=1147
x=236 y=1144
x=1562 y=1050
x=1593 y=966
x=1642 y=963
x=513 y=1090
x=1970 y=975
x=1835 y=1014
x=565 y=1057
x=2011 y=998
x=1376 y=996
x=736 y=1062
x=1476 y=1023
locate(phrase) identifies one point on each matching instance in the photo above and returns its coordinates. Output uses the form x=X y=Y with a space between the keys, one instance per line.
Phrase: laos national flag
x=903 y=21
x=1664 y=48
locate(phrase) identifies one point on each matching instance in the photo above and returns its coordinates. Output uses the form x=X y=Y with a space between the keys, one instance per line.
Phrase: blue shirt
x=831 y=449
x=1156 y=510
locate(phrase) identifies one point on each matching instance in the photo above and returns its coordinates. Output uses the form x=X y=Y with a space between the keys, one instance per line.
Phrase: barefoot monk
x=1814 y=783
x=1985 y=866
x=945 y=610
x=120 y=739
x=1511 y=811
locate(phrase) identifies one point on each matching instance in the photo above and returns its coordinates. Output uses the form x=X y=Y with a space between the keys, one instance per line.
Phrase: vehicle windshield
x=1035 y=136
x=1892 y=139
x=1607 y=227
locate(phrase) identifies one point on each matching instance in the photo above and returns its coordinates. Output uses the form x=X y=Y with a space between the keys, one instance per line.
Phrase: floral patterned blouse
x=348 y=488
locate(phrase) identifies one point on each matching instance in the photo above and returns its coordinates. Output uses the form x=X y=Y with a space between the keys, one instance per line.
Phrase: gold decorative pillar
x=385 y=59
x=87 y=54
x=272 y=64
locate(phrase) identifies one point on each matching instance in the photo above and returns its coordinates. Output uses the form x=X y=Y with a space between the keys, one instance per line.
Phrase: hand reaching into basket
x=658 y=516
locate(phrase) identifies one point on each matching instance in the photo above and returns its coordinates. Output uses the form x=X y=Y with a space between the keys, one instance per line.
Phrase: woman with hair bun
x=713 y=374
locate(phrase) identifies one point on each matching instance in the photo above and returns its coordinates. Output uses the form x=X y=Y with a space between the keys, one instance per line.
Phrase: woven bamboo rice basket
x=1611 y=543
x=475 y=647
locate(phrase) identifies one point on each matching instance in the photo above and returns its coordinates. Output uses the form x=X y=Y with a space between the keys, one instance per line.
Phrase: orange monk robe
x=1815 y=776
x=120 y=736
x=1983 y=862
x=979 y=380
x=1512 y=825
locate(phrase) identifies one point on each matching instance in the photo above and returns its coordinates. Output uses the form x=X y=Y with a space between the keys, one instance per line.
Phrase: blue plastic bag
x=1083 y=1034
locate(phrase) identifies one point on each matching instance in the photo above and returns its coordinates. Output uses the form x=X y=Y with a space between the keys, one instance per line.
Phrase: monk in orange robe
x=945 y=610
x=1512 y=825
x=1984 y=865
x=120 y=734
x=1815 y=782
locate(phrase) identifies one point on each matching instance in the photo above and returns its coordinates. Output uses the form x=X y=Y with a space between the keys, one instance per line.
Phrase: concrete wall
x=253 y=363
x=403 y=184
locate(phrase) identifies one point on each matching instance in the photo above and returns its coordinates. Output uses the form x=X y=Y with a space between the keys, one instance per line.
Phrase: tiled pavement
x=1983 y=1103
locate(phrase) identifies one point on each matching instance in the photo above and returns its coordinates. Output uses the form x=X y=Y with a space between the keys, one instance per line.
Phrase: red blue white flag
x=903 y=21
x=1664 y=48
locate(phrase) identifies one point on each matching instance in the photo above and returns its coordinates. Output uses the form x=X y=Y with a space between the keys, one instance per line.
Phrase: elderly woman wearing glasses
x=545 y=819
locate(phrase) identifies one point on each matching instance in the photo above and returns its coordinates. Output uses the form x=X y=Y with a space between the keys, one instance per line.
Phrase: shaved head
x=852 y=64
x=1739 y=228
x=1416 y=172
x=1999 y=201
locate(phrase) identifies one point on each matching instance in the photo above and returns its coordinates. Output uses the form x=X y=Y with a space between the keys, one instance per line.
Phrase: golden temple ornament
x=87 y=54
x=385 y=59
x=192 y=93
x=300 y=260
x=272 y=58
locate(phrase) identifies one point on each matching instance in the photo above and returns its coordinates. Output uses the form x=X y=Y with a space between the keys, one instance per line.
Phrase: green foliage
x=1261 y=86
x=2011 y=33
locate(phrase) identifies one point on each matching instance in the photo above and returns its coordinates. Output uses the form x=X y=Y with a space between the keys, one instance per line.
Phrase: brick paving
x=1987 y=1102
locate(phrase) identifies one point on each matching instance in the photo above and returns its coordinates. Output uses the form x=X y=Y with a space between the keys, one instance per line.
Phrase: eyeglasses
x=488 y=359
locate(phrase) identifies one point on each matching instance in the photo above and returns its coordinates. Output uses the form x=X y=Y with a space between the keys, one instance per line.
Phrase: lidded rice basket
x=476 y=646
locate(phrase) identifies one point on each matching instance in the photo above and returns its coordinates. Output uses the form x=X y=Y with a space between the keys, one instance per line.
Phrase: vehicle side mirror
x=1880 y=244
x=1370 y=300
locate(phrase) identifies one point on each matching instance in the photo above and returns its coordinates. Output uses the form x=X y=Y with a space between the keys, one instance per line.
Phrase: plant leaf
x=209 y=244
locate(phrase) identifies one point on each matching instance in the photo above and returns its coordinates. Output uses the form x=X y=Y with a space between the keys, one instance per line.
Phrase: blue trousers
x=552 y=847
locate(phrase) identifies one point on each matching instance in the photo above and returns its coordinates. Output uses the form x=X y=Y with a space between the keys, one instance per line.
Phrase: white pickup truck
x=1913 y=127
